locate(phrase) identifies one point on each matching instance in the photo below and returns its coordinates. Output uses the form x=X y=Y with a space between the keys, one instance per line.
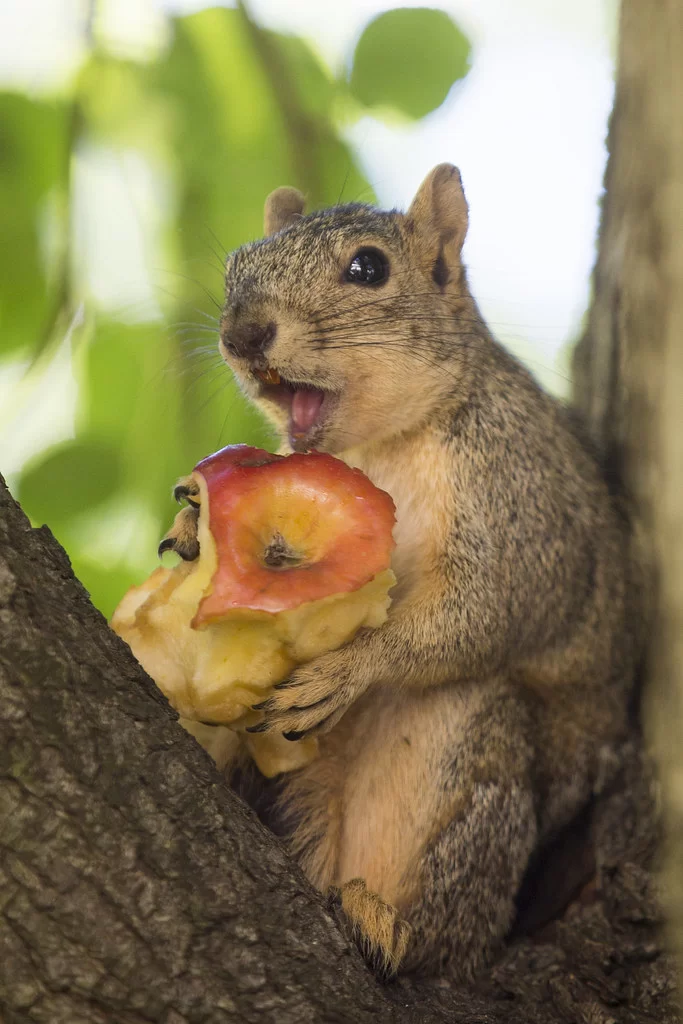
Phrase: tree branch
x=136 y=886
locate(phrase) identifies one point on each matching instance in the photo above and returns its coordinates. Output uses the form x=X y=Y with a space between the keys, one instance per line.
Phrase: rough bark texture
x=629 y=365
x=136 y=887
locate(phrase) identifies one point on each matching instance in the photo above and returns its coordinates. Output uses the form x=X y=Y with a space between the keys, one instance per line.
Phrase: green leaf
x=67 y=479
x=33 y=171
x=408 y=59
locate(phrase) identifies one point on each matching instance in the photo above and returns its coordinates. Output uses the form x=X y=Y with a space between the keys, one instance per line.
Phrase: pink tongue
x=305 y=408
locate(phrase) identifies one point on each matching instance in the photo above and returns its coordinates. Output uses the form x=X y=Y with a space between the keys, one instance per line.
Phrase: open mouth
x=308 y=407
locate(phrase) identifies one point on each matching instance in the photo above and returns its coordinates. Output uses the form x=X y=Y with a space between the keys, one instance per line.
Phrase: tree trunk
x=629 y=365
x=136 y=887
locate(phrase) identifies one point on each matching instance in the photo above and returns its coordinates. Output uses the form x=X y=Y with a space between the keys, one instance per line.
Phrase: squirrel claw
x=314 y=697
x=261 y=727
x=293 y=736
x=263 y=706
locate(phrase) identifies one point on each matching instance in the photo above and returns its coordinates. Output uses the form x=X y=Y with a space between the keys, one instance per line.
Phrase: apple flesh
x=294 y=556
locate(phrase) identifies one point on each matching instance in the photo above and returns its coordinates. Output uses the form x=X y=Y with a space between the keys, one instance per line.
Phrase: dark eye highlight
x=368 y=266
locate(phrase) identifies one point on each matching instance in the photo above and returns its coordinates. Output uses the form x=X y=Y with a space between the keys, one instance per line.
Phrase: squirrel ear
x=439 y=210
x=282 y=208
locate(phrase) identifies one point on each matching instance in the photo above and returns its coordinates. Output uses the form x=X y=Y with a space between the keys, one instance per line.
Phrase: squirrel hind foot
x=375 y=926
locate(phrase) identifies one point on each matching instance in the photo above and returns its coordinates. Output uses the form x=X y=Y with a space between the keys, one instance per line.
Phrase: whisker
x=359 y=329
x=200 y=312
x=200 y=328
x=423 y=349
x=336 y=311
x=198 y=284
x=230 y=408
x=180 y=369
x=192 y=350
x=404 y=298
x=220 y=269
x=382 y=323
x=214 y=394
x=218 y=242
x=425 y=357
x=346 y=178
x=212 y=320
x=186 y=363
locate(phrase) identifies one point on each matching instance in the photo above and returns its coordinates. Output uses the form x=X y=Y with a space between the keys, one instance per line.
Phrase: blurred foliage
x=409 y=59
x=34 y=147
x=226 y=113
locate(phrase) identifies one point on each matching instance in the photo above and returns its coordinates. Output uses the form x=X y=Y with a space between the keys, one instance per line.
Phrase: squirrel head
x=350 y=325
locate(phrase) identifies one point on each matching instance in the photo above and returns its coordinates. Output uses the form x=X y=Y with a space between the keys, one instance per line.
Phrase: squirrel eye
x=368 y=266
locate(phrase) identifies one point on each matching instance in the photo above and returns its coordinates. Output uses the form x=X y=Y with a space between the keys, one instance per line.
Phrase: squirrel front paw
x=381 y=935
x=313 y=698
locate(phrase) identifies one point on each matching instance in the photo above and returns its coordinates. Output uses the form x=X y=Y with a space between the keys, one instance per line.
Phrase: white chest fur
x=415 y=475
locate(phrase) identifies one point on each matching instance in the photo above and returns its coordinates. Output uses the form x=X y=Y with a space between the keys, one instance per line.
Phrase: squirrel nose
x=249 y=340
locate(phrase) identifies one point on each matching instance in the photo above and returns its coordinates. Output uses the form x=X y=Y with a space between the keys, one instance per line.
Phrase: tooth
x=269 y=376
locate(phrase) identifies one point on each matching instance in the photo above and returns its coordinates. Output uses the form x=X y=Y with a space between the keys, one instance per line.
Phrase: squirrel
x=457 y=739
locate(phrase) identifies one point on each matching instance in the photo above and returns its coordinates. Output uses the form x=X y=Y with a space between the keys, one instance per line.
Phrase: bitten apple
x=293 y=559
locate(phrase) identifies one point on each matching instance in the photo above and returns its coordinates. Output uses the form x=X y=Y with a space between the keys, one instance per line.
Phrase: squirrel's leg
x=527 y=763
x=460 y=900
x=427 y=798
x=468 y=878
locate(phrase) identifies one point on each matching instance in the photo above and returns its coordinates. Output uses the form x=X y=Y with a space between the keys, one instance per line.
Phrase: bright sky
x=526 y=128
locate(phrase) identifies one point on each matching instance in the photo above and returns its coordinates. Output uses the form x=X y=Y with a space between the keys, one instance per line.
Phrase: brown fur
x=462 y=734
x=374 y=924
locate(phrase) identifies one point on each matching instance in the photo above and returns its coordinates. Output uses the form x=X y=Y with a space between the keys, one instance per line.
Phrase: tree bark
x=629 y=365
x=135 y=886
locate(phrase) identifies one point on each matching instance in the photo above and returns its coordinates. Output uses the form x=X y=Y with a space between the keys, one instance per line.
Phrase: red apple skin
x=253 y=495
